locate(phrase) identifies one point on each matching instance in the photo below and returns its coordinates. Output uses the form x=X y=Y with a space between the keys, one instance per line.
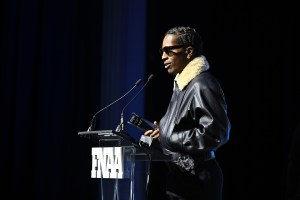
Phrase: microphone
x=93 y=119
x=121 y=126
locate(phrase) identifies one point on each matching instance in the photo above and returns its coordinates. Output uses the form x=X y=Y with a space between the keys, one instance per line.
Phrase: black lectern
x=114 y=159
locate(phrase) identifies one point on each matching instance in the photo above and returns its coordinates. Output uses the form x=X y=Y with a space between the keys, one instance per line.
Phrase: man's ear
x=189 y=51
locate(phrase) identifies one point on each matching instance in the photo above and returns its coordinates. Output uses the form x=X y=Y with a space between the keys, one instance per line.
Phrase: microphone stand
x=121 y=126
x=93 y=119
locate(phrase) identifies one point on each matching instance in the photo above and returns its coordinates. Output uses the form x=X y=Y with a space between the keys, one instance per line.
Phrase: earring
x=188 y=56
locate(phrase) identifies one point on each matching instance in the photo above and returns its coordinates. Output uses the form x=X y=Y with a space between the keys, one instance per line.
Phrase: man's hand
x=153 y=133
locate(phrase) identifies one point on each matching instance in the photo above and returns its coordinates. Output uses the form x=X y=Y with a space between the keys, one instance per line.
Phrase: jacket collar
x=195 y=67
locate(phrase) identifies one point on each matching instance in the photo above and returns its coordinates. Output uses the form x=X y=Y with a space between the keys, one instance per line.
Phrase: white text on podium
x=107 y=162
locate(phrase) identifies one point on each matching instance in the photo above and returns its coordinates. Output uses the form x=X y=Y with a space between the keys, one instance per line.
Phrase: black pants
x=206 y=184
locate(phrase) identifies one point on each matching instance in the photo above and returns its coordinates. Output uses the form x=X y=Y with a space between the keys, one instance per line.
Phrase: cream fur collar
x=195 y=67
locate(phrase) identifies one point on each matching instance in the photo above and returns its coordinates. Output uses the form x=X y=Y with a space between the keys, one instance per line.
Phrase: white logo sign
x=107 y=162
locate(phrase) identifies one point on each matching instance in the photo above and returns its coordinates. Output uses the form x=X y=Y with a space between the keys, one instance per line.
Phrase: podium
x=114 y=158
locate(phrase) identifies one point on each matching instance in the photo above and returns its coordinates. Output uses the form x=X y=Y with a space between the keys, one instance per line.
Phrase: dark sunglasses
x=168 y=50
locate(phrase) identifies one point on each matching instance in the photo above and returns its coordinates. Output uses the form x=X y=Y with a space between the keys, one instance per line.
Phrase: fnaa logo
x=107 y=162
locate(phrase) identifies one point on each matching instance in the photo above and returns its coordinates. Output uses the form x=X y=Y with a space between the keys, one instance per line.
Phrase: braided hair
x=187 y=36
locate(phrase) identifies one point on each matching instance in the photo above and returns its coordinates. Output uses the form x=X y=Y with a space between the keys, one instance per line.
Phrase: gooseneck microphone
x=93 y=119
x=121 y=126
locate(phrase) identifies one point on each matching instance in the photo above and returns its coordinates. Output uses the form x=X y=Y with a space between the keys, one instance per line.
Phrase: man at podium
x=195 y=124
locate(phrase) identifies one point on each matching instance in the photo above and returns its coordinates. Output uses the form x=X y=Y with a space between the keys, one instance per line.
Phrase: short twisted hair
x=187 y=36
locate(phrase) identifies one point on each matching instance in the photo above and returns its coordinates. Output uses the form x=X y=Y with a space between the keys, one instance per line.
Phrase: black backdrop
x=251 y=47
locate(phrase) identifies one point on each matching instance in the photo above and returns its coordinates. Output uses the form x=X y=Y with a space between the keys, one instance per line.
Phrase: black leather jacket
x=196 y=121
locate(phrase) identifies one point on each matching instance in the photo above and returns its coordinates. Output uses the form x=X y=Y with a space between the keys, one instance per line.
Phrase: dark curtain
x=53 y=55
x=48 y=88
x=252 y=49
